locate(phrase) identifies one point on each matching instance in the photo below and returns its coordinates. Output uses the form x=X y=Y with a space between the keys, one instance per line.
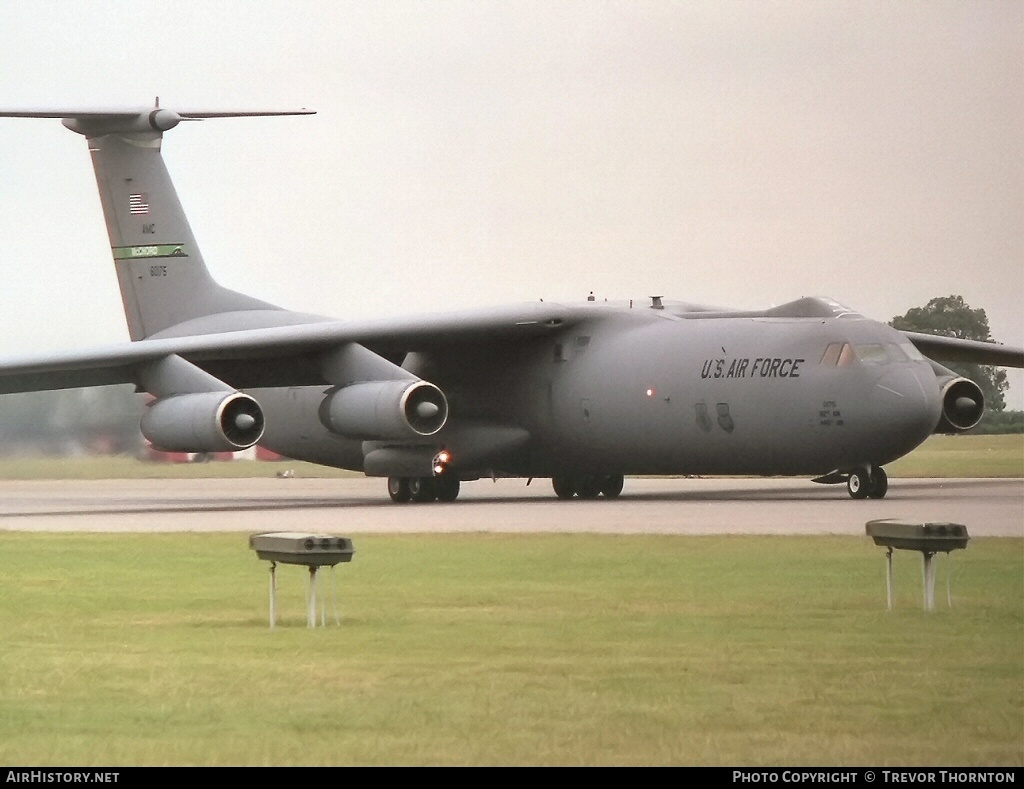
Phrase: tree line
x=953 y=317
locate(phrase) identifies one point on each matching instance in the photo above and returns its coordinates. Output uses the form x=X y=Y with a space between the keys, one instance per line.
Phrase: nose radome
x=906 y=402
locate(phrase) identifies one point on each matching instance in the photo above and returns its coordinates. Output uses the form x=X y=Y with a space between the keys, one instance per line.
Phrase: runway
x=988 y=507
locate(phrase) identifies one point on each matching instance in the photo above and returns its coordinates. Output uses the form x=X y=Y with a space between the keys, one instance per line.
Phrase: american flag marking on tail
x=138 y=204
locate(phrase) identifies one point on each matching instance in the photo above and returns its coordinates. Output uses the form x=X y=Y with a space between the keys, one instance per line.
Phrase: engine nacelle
x=203 y=422
x=385 y=410
x=963 y=405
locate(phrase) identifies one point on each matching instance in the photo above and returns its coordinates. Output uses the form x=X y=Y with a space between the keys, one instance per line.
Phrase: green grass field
x=509 y=649
x=964 y=456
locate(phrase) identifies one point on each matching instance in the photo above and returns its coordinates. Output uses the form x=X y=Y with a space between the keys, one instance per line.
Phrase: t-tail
x=163 y=279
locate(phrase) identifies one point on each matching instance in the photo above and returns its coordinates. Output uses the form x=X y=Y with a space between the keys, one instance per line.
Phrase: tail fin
x=160 y=270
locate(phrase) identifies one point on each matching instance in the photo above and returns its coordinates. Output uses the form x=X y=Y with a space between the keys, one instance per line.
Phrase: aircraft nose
x=906 y=402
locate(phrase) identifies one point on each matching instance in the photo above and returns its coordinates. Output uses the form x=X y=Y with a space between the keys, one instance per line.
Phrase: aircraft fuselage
x=638 y=392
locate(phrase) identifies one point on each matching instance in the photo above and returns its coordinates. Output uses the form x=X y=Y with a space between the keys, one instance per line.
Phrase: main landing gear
x=423 y=489
x=867 y=483
x=587 y=486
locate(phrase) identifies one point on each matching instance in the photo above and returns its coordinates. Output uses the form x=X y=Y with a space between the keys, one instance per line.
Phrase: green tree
x=952 y=317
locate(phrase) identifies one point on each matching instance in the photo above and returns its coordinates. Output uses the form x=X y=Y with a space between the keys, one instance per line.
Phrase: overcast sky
x=475 y=153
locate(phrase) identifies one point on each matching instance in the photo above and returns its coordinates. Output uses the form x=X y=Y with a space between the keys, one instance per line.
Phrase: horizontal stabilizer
x=160 y=269
x=131 y=112
x=97 y=121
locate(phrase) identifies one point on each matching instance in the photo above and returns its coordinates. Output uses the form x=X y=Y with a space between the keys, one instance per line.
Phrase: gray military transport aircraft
x=583 y=393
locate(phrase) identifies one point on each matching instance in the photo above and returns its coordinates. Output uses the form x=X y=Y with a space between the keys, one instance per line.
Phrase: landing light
x=650 y=393
x=440 y=463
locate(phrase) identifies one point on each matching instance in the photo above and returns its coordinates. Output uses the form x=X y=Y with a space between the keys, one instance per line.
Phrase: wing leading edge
x=952 y=349
x=287 y=353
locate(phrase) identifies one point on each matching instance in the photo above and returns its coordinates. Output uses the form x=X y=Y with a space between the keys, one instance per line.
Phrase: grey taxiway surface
x=662 y=506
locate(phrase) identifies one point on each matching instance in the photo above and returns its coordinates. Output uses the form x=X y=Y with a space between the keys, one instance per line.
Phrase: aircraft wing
x=289 y=355
x=952 y=349
x=286 y=355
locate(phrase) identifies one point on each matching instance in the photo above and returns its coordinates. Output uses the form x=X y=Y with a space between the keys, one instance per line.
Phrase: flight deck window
x=838 y=354
x=912 y=351
x=896 y=353
x=872 y=354
x=843 y=354
x=831 y=356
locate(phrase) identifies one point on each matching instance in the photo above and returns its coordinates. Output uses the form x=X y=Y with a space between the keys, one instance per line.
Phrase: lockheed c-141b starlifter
x=581 y=393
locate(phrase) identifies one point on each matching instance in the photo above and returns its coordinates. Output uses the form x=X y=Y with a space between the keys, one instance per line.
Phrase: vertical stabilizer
x=160 y=270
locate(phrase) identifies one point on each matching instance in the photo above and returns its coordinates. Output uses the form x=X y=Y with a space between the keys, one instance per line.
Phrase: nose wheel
x=867 y=483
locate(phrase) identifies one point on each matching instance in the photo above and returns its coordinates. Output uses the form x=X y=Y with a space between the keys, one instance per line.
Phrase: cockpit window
x=896 y=353
x=872 y=354
x=831 y=356
x=843 y=354
x=911 y=350
x=838 y=354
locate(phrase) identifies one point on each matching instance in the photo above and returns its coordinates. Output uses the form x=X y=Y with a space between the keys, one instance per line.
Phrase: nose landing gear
x=864 y=483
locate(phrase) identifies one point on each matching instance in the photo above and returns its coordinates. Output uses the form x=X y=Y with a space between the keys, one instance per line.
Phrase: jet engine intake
x=385 y=410
x=203 y=422
x=963 y=405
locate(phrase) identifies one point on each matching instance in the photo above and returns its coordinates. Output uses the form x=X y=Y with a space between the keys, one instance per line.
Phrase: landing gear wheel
x=588 y=487
x=563 y=486
x=422 y=489
x=398 y=489
x=447 y=487
x=879 y=483
x=611 y=486
x=858 y=484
